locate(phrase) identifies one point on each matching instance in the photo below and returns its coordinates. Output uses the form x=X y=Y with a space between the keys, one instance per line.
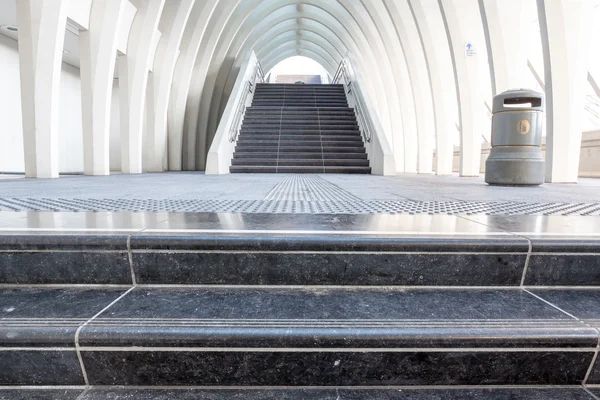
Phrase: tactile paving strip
x=300 y=206
x=308 y=188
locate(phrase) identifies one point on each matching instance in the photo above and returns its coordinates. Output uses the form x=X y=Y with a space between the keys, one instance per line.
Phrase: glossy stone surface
x=40 y=367
x=342 y=394
x=356 y=318
x=412 y=269
x=60 y=268
x=584 y=304
x=39 y=394
x=334 y=368
x=39 y=317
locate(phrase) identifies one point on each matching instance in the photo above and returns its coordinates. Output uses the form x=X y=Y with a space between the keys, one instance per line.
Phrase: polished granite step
x=292 y=337
x=457 y=393
x=303 y=156
x=302 y=254
x=299 y=169
x=299 y=162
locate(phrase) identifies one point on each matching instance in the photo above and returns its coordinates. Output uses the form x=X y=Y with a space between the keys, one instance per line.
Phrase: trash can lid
x=519 y=99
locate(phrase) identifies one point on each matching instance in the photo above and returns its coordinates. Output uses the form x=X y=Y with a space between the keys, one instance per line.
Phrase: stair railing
x=365 y=122
x=257 y=77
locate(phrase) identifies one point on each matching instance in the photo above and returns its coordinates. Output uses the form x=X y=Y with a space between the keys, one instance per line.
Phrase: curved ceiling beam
x=330 y=64
x=334 y=56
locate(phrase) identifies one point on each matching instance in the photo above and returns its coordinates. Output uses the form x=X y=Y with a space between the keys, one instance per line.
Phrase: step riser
x=310 y=163
x=302 y=156
x=300 y=170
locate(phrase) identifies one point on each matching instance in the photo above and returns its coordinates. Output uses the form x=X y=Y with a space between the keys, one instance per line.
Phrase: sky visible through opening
x=298 y=65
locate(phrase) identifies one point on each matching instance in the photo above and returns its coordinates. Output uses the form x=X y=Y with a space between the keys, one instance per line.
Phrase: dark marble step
x=318 y=258
x=275 y=131
x=302 y=156
x=298 y=170
x=298 y=162
x=300 y=149
x=300 y=127
x=306 y=142
x=291 y=137
x=303 y=121
x=523 y=393
x=291 y=337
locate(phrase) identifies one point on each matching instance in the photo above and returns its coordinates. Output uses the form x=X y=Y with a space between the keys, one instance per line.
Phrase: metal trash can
x=516 y=157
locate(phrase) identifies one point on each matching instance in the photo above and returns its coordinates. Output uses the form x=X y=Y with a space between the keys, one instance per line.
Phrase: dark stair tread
x=316 y=393
x=242 y=317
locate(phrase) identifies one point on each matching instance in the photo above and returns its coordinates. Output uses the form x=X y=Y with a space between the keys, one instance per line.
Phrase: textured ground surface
x=266 y=193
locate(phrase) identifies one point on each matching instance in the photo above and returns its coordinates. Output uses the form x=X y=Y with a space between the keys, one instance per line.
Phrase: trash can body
x=516 y=157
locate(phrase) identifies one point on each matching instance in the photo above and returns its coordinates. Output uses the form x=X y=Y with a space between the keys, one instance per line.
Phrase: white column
x=140 y=48
x=504 y=27
x=182 y=78
x=460 y=29
x=565 y=27
x=443 y=90
x=42 y=26
x=98 y=53
x=172 y=24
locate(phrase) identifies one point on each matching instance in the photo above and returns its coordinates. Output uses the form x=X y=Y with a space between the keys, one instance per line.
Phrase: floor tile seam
x=527 y=261
x=78 y=332
x=131 y=264
x=597 y=350
x=590 y=393
x=195 y=349
x=83 y=394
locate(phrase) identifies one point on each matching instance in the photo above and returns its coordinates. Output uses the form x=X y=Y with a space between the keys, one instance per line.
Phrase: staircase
x=300 y=129
x=222 y=309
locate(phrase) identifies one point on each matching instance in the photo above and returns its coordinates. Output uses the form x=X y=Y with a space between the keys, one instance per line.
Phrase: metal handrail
x=365 y=123
x=257 y=76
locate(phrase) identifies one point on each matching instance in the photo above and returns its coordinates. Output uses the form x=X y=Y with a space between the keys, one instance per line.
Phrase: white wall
x=71 y=137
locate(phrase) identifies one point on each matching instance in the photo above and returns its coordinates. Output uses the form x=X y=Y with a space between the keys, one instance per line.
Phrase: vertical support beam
x=436 y=60
x=98 y=53
x=470 y=100
x=172 y=24
x=503 y=26
x=565 y=27
x=42 y=25
x=182 y=78
x=132 y=96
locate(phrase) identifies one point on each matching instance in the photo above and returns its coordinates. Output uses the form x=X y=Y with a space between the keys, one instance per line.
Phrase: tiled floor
x=303 y=194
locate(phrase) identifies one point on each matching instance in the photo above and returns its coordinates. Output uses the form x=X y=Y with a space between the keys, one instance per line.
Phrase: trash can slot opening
x=523 y=102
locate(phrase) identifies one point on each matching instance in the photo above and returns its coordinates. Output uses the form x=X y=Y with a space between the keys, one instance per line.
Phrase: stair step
x=300 y=156
x=303 y=143
x=298 y=170
x=316 y=393
x=298 y=138
x=299 y=162
x=294 y=337
x=301 y=149
x=299 y=127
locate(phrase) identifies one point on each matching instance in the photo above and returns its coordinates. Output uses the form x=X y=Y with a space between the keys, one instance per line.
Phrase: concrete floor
x=197 y=186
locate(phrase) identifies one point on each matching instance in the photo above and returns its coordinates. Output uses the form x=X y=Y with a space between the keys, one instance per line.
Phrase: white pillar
x=443 y=90
x=466 y=71
x=135 y=66
x=565 y=27
x=182 y=78
x=172 y=24
x=98 y=53
x=42 y=26
x=504 y=27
